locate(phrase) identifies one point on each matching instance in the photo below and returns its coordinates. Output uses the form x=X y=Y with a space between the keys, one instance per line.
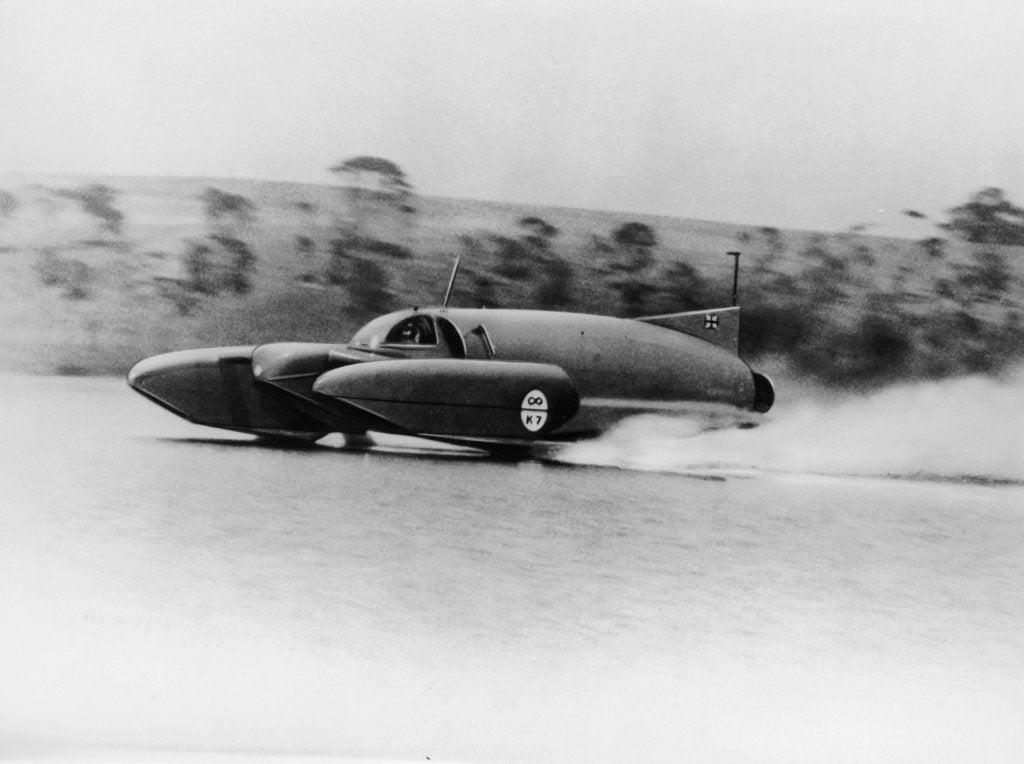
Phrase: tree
x=337 y=269
x=377 y=200
x=556 y=284
x=986 y=277
x=228 y=214
x=988 y=218
x=199 y=270
x=240 y=264
x=634 y=294
x=934 y=246
x=97 y=200
x=634 y=235
x=376 y=177
x=635 y=242
x=530 y=253
x=74 y=276
x=219 y=263
x=538 y=232
x=514 y=257
x=680 y=287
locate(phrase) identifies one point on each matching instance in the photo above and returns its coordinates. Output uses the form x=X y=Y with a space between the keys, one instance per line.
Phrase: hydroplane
x=491 y=379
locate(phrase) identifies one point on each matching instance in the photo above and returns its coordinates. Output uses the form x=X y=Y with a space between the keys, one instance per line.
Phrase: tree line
x=825 y=314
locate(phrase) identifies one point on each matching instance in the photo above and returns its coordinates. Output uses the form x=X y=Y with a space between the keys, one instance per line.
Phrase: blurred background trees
x=97 y=200
x=988 y=217
x=842 y=308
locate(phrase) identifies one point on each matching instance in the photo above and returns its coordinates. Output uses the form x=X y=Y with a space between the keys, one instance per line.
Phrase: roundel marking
x=534 y=411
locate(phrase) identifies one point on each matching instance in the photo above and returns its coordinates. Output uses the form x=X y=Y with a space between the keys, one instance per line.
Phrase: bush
x=241 y=264
x=97 y=200
x=74 y=276
x=51 y=268
x=634 y=295
x=987 y=276
x=636 y=242
x=514 y=258
x=386 y=248
x=199 y=270
x=79 y=277
x=179 y=293
x=337 y=263
x=538 y=232
x=217 y=264
x=934 y=246
x=352 y=241
x=681 y=288
x=635 y=235
x=220 y=204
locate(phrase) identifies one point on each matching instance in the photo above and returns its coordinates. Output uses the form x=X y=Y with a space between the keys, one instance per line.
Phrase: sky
x=810 y=114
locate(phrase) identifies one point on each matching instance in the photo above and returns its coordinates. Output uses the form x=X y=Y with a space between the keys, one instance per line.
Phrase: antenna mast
x=451 y=283
x=735 y=275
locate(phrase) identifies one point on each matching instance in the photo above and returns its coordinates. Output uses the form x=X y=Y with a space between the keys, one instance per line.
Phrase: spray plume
x=964 y=428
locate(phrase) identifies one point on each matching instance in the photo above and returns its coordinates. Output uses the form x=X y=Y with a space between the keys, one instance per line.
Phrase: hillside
x=90 y=290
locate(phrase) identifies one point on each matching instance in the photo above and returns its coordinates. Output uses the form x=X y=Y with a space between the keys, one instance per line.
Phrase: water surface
x=659 y=595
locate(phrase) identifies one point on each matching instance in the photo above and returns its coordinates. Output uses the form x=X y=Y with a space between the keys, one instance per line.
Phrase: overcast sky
x=795 y=113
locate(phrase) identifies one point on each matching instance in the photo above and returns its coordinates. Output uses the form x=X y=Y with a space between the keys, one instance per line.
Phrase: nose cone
x=145 y=375
x=192 y=383
x=216 y=387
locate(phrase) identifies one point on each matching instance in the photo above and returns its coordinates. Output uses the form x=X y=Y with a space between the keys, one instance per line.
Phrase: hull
x=215 y=387
x=479 y=377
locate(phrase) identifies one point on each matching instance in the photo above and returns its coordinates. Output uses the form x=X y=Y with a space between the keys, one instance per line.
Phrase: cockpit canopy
x=427 y=335
x=397 y=329
x=415 y=330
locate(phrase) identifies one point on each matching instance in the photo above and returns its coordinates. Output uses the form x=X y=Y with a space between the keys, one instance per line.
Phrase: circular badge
x=534 y=410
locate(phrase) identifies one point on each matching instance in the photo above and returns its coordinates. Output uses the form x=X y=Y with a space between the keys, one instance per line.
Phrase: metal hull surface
x=479 y=377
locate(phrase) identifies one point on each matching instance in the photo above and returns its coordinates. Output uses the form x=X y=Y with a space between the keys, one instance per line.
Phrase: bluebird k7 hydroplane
x=491 y=379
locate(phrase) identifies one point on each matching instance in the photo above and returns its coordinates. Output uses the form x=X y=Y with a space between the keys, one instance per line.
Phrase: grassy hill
x=83 y=293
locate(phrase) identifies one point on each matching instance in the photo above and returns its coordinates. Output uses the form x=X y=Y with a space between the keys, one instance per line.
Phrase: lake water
x=844 y=583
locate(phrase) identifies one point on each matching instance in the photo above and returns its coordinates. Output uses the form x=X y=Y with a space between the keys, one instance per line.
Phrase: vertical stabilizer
x=720 y=326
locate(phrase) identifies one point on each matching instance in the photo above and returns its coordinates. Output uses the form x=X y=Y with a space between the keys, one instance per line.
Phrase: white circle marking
x=534 y=410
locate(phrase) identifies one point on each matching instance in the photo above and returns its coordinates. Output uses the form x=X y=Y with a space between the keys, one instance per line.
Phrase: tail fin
x=720 y=326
